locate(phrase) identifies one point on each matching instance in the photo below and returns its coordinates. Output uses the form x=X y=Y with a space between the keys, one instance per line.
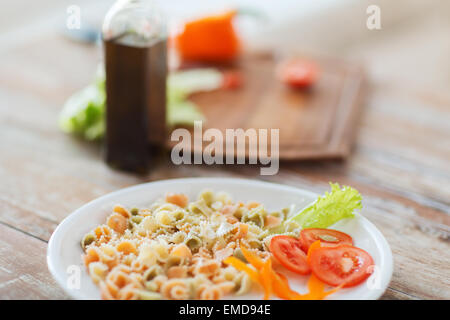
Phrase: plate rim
x=53 y=243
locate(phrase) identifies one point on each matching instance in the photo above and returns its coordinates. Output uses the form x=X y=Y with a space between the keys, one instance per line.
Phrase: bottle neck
x=134 y=22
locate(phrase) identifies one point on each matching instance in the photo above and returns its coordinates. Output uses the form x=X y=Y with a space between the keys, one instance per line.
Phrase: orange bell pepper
x=209 y=39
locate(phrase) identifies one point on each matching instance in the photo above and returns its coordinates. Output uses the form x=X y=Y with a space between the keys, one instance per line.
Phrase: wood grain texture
x=400 y=161
x=313 y=124
x=23 y=273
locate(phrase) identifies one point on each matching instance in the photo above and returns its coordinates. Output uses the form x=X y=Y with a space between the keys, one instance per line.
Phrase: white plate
x=64 y=249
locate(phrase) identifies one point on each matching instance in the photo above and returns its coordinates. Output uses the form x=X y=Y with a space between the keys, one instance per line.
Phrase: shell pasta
x=175 y=249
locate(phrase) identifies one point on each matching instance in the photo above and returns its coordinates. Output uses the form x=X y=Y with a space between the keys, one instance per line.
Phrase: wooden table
x=400 y=162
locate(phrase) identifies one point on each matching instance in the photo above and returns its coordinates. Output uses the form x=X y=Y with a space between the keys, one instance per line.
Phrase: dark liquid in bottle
x=135 y=103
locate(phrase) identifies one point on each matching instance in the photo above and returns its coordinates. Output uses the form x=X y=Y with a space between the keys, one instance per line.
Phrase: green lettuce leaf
x=338 y=204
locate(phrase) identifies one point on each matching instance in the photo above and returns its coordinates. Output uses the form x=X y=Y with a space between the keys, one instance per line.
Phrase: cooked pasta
x=174 y=249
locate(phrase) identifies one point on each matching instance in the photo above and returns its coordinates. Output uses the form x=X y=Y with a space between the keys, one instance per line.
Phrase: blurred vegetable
x=232 y=79
x=83 y=113
x=209 y=39
x=195 y=80
x=298 y=73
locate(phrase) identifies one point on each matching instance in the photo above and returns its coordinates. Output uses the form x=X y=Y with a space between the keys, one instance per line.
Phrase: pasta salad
x=213 y=247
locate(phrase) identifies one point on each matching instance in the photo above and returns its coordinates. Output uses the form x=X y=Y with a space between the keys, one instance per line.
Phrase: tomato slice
x=287 y=250
x=298 y=73
x=327 y=237
x=343 y=265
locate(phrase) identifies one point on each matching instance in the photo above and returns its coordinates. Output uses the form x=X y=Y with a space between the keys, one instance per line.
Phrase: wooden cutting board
x=313 y=124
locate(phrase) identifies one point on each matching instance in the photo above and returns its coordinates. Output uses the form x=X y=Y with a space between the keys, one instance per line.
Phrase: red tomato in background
x=232 y=79
x=287 y=250
x=298 y=73
x=346 y=265
x=327 y=237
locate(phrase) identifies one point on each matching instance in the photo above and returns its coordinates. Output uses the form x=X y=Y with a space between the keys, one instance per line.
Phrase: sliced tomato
x=327 y=237
x=288 y=251
x=298 y=73
x=343 y=265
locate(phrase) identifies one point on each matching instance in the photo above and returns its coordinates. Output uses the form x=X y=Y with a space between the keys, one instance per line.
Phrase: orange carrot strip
x=316 y=289
x=241 y=266
x=327 y=293
x=315 y=245
x=252 y=258
x=281 y=287
x=266 y=278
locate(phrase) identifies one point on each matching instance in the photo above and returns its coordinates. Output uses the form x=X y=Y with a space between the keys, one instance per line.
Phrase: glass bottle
x=135 y=44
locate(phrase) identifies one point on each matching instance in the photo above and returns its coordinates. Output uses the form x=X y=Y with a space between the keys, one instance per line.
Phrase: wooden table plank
x=24 y=273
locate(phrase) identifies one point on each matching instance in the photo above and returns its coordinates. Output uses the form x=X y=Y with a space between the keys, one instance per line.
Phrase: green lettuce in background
x=83 y=113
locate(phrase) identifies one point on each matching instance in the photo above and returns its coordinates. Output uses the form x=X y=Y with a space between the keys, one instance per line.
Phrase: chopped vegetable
x=315 y=245
x=209 y=39
x=232 y=80
x=316 y=289
x=281 y=288
x=266 y=278
x=329 y=209
x=287 y=250
x=344 y=265
x=83 y=113
x=327 y=237
x=298 y=73
x=195 y=80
